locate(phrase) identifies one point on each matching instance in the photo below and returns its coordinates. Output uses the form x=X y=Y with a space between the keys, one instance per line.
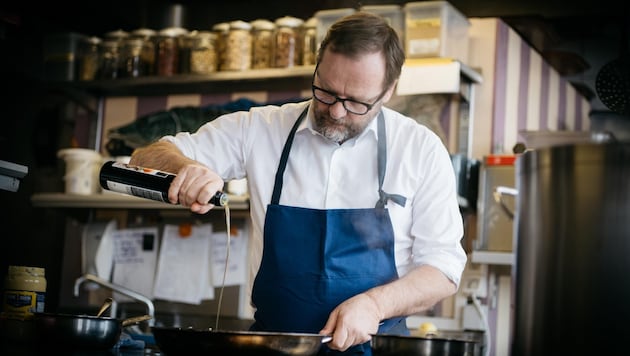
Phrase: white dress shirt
x=322 y=174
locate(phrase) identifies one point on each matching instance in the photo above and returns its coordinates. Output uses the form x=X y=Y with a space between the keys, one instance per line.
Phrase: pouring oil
x=226 y=207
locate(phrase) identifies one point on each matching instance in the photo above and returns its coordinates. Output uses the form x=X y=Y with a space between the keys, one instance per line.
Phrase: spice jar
x=110 y=59
x=221 y=30
x=262 y=43
x=203 y=53
x=24 y=292
x=167 y=50
x=287 y=39
x=88 y=58
x=238 y=47
x=309 y=42
x=147 y=54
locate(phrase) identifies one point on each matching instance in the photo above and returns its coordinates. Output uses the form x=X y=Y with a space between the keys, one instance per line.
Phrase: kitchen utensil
x=86 y=332
x=179 y=341
x=106 y=304
x=431 y=345
x=572 y=227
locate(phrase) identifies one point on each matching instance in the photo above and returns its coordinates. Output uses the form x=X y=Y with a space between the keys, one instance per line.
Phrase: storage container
x=203 y=53
x=89 y=57
x=238 y=47
x=110 y=59
x=60 y=54
x=132 y=65
x=392 y=13
x=167 y=50
x=309 y=42
x=262 y=43
x=435 y=29
x=221 y=30
x=287 y=42
x=147 y=54
x=325 y=18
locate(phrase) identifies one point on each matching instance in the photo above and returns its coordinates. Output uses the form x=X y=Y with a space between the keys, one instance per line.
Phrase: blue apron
x=314 y=259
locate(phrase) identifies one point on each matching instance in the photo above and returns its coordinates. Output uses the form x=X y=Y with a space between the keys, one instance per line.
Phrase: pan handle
x=136 y=320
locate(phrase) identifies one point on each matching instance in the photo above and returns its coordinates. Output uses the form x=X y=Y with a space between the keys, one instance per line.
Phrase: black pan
x=175 y=341
x=84 y=332
x=394 y=345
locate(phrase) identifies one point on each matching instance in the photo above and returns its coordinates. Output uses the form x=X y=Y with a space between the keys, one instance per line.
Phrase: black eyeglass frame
x=343 y=101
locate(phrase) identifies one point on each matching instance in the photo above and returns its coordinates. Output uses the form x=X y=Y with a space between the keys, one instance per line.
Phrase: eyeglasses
x=351 y=105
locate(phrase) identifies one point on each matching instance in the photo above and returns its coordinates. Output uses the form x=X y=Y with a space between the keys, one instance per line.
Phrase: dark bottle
x=143 y=182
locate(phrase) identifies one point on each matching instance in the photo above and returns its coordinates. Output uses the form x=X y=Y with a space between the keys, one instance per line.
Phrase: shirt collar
x=307 y=124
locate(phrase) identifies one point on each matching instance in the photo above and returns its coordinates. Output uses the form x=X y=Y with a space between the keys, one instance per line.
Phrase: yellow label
x=22 y=304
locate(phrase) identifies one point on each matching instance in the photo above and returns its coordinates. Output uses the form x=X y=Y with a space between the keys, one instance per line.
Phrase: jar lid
x=311 y=23
x=173 y=32
x=289 y=21
x=262 y=24
x=240 y=25
x=35 y=271
x=117 y=35
x=143 y=32
x=221 y=27
x=92 y=40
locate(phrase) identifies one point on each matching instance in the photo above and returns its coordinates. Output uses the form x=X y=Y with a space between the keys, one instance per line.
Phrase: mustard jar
x=24 y=292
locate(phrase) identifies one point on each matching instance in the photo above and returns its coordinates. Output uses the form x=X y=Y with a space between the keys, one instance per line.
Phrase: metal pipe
x=119 y=289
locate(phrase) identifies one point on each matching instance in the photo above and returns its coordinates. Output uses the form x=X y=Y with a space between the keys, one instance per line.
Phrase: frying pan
x=174 y=341
x=85 y=332
x=431 y=345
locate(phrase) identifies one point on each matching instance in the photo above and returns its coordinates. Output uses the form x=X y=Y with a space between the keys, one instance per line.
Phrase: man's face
x=360 y=81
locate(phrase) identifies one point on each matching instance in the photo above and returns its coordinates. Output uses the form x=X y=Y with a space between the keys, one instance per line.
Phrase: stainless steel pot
x=85 y=332
x=573 y=250
x=182 y=341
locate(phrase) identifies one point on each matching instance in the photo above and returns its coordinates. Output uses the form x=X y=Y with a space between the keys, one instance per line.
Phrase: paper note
x=237 y=263
x=135 y=255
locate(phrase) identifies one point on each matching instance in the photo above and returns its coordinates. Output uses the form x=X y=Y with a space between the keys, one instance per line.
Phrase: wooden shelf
x=117 y=201
x=493 y=257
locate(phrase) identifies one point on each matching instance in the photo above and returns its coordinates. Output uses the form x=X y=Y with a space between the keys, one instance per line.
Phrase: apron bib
x=314 y=259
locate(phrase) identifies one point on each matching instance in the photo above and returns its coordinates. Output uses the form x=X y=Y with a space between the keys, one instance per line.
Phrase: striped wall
x=520 y=92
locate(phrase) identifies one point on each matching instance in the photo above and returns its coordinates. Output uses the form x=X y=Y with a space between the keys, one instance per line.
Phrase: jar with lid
x=110 y=59
x=238 y=47
x=167 y=50
x=221 y=30
x=24 y=292
x=185 y=47
x=131 y=58
x=117 y=35
x=309 y=42
x=287 y=42
x=262 y=43
x=147 y=54
x=88 y=58
x=203 y=53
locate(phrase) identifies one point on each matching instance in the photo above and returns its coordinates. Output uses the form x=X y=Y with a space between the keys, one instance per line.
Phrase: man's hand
x=193 y=187
x=352 y=322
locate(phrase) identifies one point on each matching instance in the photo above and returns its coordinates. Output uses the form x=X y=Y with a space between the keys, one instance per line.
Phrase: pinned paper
x=237 y=262
x=183 y=272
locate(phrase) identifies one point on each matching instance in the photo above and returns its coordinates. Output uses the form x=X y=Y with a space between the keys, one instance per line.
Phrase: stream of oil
x=227 y=258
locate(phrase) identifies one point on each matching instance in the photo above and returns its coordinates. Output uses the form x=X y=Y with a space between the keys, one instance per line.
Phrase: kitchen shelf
x=218 y=82
x=117 y=201
x=493 y=257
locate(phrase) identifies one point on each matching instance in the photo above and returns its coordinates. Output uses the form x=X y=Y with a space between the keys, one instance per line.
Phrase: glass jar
x=88 y=58
x=147 y=54
x=110 y=59
x=24 y=292
x=203 y=54
x=221 y=30
x=262 y=43
x=167 y=51
x=185 y=47
x=286 y=44
x=309 y=42
x=117 y=35
x=131 y=58
x=238 y=47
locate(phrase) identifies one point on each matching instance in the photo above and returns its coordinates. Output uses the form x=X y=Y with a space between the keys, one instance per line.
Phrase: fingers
x=193 y=187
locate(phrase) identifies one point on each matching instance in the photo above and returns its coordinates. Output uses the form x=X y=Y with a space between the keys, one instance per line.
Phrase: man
x=355 y=221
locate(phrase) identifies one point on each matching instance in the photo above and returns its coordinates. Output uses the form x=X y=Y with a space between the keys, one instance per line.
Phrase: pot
x=572 y=235
x=430 y=345
x=180 y=341
x=80 y=331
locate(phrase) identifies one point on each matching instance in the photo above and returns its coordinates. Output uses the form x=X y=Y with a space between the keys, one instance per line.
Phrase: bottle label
x=143 y=170
x=136 y=191
x=22 y=304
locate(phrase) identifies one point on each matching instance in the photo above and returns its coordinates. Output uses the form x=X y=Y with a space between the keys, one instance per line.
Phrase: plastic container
x=24 y=292
x=435 y=29
x=82 y=169
x=262 y=43
x=325 y=18
x=392 y=13
x=287 y=40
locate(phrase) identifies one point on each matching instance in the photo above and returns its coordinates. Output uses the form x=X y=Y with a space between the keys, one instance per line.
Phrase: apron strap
x=277 y=188
x=382 y=167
